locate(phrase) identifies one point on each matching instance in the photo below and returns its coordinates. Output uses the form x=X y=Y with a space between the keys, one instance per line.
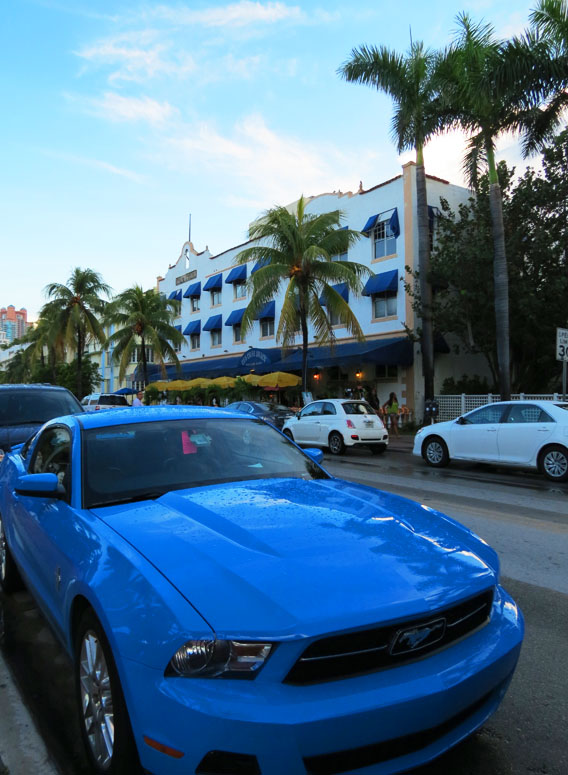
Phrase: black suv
x=25 y=408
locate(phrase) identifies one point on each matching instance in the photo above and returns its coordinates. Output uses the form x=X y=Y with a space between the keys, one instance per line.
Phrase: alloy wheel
x=434 y=452
x=96 y=700
x=555 y=464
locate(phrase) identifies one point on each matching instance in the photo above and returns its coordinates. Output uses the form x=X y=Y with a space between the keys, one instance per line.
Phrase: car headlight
x=210 y=658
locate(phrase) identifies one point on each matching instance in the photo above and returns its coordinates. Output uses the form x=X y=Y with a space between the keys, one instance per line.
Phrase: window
x=341 y=256
x=487 y=415
x=311 y=410
x=195 y=303
x=334 y=319
x=329 y=408
x=386 y=371
x=52 y=455
x=237 y=333
x=384 y=240
x=136 y=355
x=384 y=304
x=216 y=337
x=267 y=327
x=239 y=290
x=527 y=413
x=195 y=341
x=215 y=297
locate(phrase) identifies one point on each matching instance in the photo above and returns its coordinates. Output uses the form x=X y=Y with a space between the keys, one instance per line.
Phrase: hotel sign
x=185 y=277
x=254 y=357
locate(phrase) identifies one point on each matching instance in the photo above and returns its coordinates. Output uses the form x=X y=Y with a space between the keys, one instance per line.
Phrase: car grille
x=357 y=653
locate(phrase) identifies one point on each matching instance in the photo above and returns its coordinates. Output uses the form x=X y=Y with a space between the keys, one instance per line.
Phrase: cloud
x=242 y=14
x=115 y=107
x=95 y=164
x=138 y=56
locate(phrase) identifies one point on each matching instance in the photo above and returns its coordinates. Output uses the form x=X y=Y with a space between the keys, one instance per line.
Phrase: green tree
x=296 y=250
x=410 y=81
x=143 y=319
x=74 y=310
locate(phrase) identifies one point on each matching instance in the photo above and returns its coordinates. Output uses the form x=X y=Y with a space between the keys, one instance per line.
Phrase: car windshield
x=113 y=401
x=145 y=460
x=34 y=407
x=357 y=407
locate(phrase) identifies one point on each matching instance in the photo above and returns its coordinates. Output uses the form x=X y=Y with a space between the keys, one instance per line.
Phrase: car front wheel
x=335 y=443
x=554 y=463
x=288 y=434
x=10 y=579
x=103 y=717
x=435 y=452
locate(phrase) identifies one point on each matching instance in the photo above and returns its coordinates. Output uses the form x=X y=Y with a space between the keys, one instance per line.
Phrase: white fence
x=451 y=407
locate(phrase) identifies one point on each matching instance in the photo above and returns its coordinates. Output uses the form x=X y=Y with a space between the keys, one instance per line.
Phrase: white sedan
x=526 y=434
x=337 y=423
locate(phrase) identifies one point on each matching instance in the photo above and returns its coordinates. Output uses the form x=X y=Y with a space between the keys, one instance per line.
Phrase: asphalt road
x=520 y=514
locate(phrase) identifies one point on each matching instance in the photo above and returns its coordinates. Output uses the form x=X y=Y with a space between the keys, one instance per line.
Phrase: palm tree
x=296 y=250
x=143 y=319
x=409 y=81
x=44 y=336
x=74 y=310
x=477 y=81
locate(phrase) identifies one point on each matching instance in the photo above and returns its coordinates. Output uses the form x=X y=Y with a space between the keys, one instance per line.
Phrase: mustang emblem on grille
x=416 y=638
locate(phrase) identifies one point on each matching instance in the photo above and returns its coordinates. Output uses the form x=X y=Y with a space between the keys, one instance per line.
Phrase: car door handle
x=491 y=430
x=542 y=430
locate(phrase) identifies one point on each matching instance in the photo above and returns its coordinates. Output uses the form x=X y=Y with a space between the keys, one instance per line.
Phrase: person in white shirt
x=137 y=400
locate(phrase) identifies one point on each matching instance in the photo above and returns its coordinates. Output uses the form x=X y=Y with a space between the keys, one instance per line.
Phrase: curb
x=22 y=751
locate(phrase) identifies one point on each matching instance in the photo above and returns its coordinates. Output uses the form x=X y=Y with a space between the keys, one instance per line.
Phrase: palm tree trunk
x=427 y=341
x=304 y=326
x=500 y=280
x=79 y=364
x=144 y=362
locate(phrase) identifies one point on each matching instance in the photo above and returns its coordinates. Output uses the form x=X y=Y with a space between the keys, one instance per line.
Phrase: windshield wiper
x=152 y=495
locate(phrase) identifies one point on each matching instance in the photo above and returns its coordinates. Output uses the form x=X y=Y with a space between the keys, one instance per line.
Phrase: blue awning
x=178 y=328
x=394 y=224
x=370 y=225
x=175 y=295
x=235 y=317
x=341 y=289
x=193 y=290
x=237 y=274
x=214 y=282
x=268 y=311
x=260 y=264
x=259 y=359
x=193 y=327
x=379 y=283
x=214 y=322
x=391 y=352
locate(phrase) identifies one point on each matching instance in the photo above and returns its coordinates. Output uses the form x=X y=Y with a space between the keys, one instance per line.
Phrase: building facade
x=213 y=298
x=13 y=322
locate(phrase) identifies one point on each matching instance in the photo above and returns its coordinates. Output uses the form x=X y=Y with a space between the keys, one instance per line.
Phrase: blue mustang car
x=232 y=608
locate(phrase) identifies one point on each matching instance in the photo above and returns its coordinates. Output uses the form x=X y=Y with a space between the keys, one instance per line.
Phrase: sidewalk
x=22 y=751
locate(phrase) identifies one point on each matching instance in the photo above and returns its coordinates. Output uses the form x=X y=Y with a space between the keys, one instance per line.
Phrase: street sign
x=562 y=344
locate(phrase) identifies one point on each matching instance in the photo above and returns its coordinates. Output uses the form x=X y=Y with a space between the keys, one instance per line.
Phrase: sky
x=122 y=119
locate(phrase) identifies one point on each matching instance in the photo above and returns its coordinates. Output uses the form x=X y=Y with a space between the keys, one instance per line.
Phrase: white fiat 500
x=526 y=434
x=338 y=423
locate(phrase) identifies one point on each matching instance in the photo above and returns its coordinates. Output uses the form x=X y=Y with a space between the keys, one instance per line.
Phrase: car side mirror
x=40 y=486
x=460 y=421
x=315 y=454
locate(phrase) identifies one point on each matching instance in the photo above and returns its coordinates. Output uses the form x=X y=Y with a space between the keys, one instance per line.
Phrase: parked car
x=25 y=408
x=526 y=434
x=276 y=414
x=337 y=423
x=97 y=401
x=231 y=607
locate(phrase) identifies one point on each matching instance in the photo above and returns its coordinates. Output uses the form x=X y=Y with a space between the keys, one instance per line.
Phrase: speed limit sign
x=562 y=344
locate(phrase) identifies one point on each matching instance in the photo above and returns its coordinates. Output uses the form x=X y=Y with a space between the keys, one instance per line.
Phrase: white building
x=213 y=295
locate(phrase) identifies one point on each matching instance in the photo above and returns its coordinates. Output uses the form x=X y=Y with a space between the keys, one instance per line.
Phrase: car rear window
x=113 y=401
x=18 y=407
x=357 y=407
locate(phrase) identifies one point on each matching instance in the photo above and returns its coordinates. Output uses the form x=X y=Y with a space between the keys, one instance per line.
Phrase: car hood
x=287 y=558
x=10 y=435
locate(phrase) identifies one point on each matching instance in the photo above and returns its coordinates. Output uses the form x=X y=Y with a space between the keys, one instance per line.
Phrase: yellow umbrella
x=279 y=379
x=252 y=379
x=223 y=382
x=176 y=384
x=157 y=385
x=197 y=382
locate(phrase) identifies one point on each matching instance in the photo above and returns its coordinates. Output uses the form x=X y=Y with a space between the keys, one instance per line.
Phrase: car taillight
x=350 y=424
x=97 y=407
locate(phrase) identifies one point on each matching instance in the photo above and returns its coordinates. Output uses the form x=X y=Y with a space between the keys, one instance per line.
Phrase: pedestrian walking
x=390 y=408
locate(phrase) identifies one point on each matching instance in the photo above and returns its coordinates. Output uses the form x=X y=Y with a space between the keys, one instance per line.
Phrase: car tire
x=378 y=449
x=554 y=463
x=335 y=443
x=103 y=716
x=288 y=434
x=435 y=452
x=10 y=579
